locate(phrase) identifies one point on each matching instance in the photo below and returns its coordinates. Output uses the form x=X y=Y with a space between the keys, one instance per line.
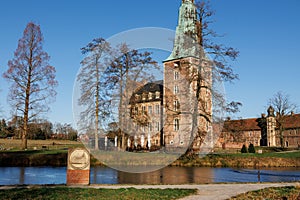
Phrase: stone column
x=116 y=141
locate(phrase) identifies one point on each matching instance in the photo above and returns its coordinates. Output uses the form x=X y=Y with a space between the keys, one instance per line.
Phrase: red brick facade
x=78 y=177
x=235 y=133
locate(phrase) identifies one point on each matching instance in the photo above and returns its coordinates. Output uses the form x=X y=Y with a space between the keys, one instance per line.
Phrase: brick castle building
x=177 y=111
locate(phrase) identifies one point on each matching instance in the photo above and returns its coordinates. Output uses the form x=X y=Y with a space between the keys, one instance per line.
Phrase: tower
x=271 y=126
x=187 y=85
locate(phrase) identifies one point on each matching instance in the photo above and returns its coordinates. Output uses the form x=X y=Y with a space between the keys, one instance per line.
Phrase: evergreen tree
x=244 y=149
x=251 y=148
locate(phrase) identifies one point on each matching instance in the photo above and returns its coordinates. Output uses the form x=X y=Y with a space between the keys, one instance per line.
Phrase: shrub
x=251 y=148
x=244 y=149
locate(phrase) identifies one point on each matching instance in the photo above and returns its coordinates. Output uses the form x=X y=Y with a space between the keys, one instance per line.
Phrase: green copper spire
x=185 y=44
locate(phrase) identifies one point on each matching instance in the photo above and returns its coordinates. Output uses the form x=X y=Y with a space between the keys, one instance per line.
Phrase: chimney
x=292 y=113
x=263 y=115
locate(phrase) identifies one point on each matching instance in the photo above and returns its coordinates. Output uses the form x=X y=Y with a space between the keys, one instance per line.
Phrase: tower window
x=176 y=89
x=176 y=75
x=176 y=105
x=176 y=124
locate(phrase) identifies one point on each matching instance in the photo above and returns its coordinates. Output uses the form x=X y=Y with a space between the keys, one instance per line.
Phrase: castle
x=177 y=112
x=172 y=112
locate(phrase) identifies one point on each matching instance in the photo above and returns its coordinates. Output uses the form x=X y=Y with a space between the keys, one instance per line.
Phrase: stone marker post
x=78 y=172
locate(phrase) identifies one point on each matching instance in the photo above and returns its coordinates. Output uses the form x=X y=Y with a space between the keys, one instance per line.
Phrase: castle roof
x=241 y=125
x=152 y=88
x=291 y=121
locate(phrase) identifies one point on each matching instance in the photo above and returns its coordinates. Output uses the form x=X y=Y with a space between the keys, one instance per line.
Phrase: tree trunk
x=97 y=109
x=26 y=111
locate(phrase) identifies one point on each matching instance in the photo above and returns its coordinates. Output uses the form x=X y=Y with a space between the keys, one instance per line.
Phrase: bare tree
x=128 y=70
x=283 y=107
x=32 y=78
x=92 y=97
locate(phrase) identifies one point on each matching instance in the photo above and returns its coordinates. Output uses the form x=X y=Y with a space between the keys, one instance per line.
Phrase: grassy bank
x=89 y=193
x=271 y=159
x=59 y=158
x=291 y=193
x=54 y=153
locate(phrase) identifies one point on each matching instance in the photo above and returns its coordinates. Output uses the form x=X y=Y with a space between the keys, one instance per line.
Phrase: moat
x=168 y=175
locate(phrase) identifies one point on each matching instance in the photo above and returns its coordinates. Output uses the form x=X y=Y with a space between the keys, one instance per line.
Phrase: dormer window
x=157 y=95
x=176 y=64
x=137 y=97
x=144 y=96
x=150 y=95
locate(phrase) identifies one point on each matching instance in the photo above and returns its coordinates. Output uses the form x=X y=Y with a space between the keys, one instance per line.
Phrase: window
x=176 y=105
x=144 y=109
x=150 y=95
x=150 y=109
x=176 y=75
x=144 y=96
x=137 y=97
x=157 y=107
x=176 y=124
x=157 y=95
x=176 y=89
x=157 y=128
x=135 y=110
x=150 y=127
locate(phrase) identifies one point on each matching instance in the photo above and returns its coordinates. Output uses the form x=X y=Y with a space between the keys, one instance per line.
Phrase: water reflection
x=168 y=175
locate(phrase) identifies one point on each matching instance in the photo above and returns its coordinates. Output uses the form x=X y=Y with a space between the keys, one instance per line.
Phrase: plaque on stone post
x=78 y=172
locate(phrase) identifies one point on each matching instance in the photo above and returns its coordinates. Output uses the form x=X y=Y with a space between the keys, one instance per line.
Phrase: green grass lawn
x=294 y=154
x=288 y=193
x=15 y=144
x=64 y=193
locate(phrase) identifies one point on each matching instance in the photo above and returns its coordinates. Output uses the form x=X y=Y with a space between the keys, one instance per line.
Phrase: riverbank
x=234 y=160
x=238 y=160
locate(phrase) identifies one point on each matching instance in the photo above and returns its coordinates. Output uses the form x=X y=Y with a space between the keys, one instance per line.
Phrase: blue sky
x=265 y=32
